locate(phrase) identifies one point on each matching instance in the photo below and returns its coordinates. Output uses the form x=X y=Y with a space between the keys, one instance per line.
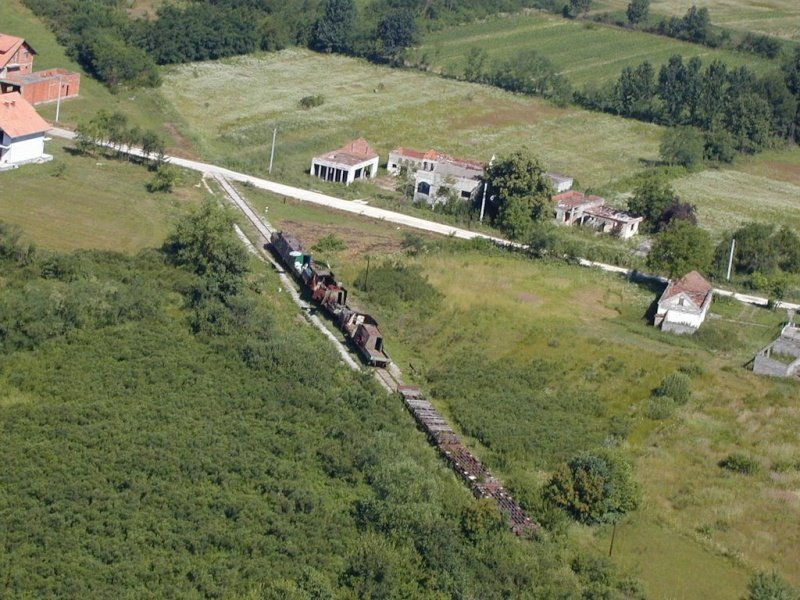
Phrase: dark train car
x=331 y=295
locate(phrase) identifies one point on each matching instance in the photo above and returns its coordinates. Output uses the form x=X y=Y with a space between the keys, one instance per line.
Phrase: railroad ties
x=482 y=483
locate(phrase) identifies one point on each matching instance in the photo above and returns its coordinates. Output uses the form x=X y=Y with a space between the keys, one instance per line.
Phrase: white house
x=355 y=160
x=21 y=132
x=683 y=306
x=561 y=183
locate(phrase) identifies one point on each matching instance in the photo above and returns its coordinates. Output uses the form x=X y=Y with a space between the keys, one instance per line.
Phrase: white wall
x=23 y=149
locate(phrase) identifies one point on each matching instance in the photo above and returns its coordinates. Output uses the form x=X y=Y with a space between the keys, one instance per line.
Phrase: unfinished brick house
x=17 y=75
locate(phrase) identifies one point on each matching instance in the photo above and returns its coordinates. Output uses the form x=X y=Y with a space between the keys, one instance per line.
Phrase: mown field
x=780 y=18
x=85 y=202
x=584 y=52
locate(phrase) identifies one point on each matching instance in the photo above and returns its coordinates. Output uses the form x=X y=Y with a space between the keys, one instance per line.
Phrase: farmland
x=780 y=18
x=584 y=52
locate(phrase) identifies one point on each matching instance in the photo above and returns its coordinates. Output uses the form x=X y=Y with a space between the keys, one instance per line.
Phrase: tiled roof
x=8 y=47
x=612 y=214
x=409 y=153
x=351 y=153
x=693 y=285
x=18 y=118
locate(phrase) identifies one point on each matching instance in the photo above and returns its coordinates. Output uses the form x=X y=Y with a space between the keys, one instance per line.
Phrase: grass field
x=583 y=51
x=390 y=108
x=780 y=18
x=78 y=202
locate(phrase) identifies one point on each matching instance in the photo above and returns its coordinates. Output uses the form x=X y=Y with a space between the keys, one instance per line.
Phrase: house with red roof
x=683 y=306
x=355 y=160
x=16 y=74
x=21 y=133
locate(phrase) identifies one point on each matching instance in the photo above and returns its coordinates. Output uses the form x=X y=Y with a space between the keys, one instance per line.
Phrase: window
x=424 y=188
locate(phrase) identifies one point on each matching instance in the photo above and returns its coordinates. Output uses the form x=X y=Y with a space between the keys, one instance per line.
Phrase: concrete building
x=782 y=357
x=355 y=160
x=561 y=183
x=16 y=74
x=21 y=133
x=683 y=306
x=575 y=208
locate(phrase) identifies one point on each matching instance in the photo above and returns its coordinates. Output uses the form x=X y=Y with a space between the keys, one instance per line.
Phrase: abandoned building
x=781 y=358
x=21 y=133
x=355 y=160
x=17 y=75
x=683 y=306
x=575 y=208
x=438 y=176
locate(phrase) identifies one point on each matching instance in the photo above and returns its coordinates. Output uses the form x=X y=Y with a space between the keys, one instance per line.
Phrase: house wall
x=46 y=90
x=764 y=365
x=396 y=161
x=23 y=57
x=347 y=174
x=461 y=185
x=23 y=149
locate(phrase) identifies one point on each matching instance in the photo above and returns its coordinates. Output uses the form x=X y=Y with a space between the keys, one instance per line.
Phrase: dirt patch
x=592 y=305
x=500 y=115
x=359 y=243
x=528 y=298
x=184 y=148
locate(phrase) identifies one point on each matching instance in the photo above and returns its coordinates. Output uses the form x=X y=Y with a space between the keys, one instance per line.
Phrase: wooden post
x=613 y=535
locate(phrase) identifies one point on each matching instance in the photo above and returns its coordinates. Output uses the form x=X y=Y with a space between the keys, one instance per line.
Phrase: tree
x=682 y=146
x=651 y=198
x=520 y=192
x=677 y=211
x=638 y=11
x=672 y=89
x=594 y=488
x=334 y=31
x=204 y=242
x=163 y=179
x=770 y=586
x=681 y=248
x=397 y=31
x=577 y=7
x=635 y=91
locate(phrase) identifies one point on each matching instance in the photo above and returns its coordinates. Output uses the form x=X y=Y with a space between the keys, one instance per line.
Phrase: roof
x=29 y=78
x=18 y=118
x=573 y=198
x=693 y=285
x=9 y=45
x=352 y=153
x=612 y=214
x=409 y=153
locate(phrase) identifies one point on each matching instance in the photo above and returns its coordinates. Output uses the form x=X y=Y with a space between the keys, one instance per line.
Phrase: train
x=361 y=329
x=474 y=473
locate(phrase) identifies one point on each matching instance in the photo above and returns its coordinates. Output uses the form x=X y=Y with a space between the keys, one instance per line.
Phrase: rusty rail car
x=475 y=474
x=360 y=328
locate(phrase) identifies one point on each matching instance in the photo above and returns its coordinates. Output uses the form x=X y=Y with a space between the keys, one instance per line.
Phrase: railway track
x=468 y=467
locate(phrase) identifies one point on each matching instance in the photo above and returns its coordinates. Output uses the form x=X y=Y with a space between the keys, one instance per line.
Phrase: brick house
x=17 y=75
x=21 y=132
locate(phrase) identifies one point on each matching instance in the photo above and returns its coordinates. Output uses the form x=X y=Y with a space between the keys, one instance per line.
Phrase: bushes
x=674 y=390
x=312 y=101
x=394 y=285
x=739 y=462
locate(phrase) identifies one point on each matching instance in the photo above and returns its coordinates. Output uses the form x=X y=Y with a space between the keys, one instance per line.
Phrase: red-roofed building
x=683 y=306
x=355 y=160
x=21 y=132
x=16 y=55
x=16 y=74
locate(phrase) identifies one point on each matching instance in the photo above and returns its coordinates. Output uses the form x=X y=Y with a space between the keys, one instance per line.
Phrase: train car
x=321 y=283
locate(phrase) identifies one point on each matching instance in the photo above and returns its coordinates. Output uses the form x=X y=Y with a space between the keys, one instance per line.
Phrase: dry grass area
x=780 y=18
x=390 y=108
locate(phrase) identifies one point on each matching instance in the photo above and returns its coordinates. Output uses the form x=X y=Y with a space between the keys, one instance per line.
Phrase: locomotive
x=360 y=328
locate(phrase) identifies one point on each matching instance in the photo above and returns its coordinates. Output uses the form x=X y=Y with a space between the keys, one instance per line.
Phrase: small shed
x=21 y=132
x=683 y=306
x=355 y=160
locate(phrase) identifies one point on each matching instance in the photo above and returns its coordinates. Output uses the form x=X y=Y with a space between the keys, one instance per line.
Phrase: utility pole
x=58 y=102
x=730 y=258
x=485 y=186
x=613 y=535
x=272 y=152
x=366 y=275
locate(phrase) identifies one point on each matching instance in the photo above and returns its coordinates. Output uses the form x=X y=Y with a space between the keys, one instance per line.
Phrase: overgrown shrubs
x=394 y=285
x=675 y=390
x=738 y=462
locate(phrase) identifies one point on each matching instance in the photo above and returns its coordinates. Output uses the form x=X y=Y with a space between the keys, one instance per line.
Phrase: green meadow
x=779 y=18
x=584 y=52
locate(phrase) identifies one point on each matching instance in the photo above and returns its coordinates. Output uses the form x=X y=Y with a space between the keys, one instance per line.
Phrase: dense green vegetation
x=146 y=457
